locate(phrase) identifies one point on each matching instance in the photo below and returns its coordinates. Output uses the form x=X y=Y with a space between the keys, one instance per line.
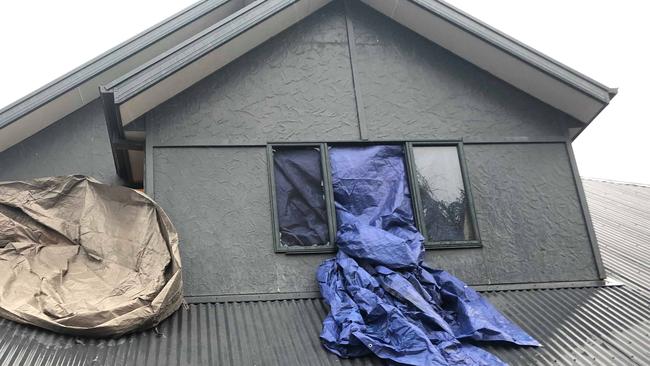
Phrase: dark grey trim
x=329 y=247
x=116 y=134
x=410 y=171
x=101 y=63
x=166 y=64
x=513 y=47
x=547 y=285
x=252 y=297
x=585 y=212
x=128 y=145
x=148 y=167
x=549 y=140
x=515 y=140
x=356 y=85
x=316 y=295
x=417 y=203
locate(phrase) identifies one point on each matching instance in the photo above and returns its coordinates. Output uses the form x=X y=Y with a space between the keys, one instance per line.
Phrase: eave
x=501 y=55
x=567 y=90
x=154 y=66
x=154 y=82
x=75 y=89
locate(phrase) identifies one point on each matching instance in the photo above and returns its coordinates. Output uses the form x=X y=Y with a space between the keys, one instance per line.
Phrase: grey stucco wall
x=413 y=89
x=299 y=87
x=218 y=197
x=76 y=144
x=529 y=217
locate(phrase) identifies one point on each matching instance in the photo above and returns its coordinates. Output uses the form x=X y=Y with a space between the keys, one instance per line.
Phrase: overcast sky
x=605 y=40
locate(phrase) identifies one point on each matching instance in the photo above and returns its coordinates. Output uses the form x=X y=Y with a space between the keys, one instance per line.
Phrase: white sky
x=606 y=40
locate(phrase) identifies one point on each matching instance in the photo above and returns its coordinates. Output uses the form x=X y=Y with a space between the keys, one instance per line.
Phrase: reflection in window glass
x=300 y=197
x=443 y=200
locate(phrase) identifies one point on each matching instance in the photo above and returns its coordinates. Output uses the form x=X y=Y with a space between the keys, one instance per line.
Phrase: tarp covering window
x=84 y=258
x=300 y=196
x=383 y=299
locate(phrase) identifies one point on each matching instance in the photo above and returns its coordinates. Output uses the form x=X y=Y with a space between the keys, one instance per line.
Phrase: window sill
x=453 y=244
x=306 y=250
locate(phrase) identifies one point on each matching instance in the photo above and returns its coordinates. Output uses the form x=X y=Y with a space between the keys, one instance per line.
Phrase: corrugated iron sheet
x=590 y=326
x=584 y=326
x=621 y=216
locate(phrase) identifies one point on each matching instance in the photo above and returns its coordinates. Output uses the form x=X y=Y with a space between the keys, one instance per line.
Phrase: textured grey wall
x=298 y=87
x=529 y=217
x=218 y=199
x=415 y=89
x=76 y=144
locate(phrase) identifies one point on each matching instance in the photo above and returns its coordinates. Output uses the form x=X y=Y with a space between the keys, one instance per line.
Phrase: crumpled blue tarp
x=383 y=299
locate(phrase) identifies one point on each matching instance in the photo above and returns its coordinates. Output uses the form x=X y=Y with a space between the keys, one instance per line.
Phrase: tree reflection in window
x=443 y=200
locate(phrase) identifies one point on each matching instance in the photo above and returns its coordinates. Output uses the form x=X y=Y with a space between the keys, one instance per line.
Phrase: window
x=444 y=206
x=301 y=198
x=304 y=219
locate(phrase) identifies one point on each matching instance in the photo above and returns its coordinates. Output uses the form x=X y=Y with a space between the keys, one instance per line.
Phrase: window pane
x=443 y=198
x=300 y=196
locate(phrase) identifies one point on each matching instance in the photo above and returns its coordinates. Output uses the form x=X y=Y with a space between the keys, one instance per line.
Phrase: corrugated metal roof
x=580 y=326
x=607 y=325
x=621 y=216
x=587 y=326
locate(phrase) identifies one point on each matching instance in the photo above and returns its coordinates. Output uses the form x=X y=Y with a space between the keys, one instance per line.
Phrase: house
x=200 y=110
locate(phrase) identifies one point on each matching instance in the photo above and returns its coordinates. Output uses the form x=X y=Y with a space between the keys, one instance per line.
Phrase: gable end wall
x=206 y=162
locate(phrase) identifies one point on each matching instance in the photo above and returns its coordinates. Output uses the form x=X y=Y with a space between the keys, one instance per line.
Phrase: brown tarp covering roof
x=84 y=258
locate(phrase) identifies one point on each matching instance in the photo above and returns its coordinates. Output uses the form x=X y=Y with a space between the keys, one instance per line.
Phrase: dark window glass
x=443 y=200
x=300 y=196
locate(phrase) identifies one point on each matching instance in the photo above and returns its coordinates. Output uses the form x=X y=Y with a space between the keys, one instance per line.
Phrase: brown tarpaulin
x=84 y=258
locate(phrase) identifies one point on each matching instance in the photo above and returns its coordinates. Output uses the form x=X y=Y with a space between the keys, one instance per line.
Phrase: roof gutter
x=78 y=87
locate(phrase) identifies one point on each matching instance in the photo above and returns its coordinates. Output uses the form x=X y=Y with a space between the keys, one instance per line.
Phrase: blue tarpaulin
x=383 y=299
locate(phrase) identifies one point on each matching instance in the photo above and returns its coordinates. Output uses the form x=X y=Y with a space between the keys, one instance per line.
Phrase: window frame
x=330 y=247
x=417 y=203
x=409 y=161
